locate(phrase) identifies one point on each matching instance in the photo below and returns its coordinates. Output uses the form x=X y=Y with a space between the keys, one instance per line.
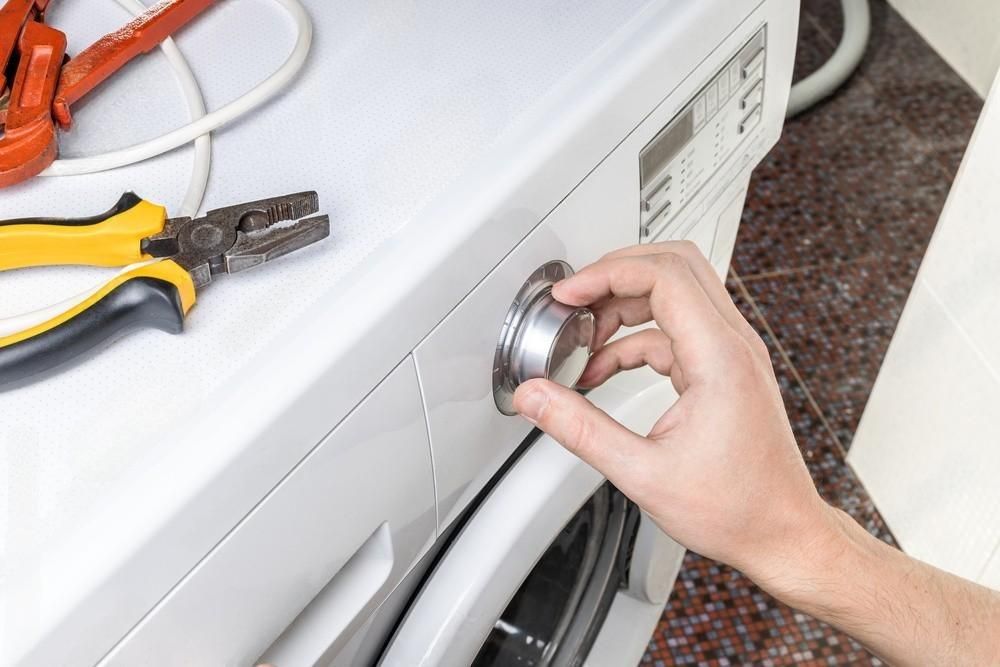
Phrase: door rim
x=492 y=554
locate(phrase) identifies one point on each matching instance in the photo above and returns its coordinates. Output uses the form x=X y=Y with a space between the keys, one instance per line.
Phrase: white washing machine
x=320 y=470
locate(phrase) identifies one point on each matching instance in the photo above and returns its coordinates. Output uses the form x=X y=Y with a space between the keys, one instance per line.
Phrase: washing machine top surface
x=397 y=102
x=397 y=99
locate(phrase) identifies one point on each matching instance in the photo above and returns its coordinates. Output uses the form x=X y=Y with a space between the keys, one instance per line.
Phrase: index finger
x=679 y=304
x=704 y=272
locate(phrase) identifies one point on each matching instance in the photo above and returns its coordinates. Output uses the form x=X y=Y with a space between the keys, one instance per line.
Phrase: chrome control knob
x=541 y=338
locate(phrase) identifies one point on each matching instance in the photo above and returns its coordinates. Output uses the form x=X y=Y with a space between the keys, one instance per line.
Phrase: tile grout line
x=778 y=273
x=816 y=23
x=787 y=359
x=977 y=350
x=937 y=158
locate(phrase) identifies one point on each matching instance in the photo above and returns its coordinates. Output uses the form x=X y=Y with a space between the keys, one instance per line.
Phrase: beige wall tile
x=928 y=446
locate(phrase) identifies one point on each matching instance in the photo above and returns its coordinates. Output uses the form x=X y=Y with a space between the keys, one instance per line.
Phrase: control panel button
x=723 y=85
x=541 y=337
x=658 y=221
x=735 y=74
x=712 y=100
x=753 y=65
x=658 y=194
x=698 y=112
x=703 y=138
x=750 y=120
x=754 y=96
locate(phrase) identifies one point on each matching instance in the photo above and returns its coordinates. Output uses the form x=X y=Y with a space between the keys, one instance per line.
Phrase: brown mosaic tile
x=913 y=80
x=813 y=48
x=821 y=452
x=867 y=172
x=827 y=15
x=835 y=326
x=846 y=181
x=837 y=220
x=920 y=87
x=716 y=616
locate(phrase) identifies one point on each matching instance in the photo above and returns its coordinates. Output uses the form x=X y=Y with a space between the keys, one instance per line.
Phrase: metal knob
x=541 y=338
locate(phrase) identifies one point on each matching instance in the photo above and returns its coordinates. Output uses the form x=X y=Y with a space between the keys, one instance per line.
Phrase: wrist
x=824 y=550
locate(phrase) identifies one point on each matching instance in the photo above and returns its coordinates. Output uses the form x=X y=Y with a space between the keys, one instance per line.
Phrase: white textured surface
x=991 y=575
x=397 y=99
x=928 y=446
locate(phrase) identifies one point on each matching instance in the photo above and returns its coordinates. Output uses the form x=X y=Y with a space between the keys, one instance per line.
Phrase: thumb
x=583 y=429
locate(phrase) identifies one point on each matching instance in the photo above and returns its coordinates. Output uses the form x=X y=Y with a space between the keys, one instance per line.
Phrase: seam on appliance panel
x=208 y=554
x=430 y=445
x=788 y=361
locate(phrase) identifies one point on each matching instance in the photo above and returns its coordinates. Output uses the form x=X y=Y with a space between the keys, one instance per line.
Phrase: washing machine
x=324 y=468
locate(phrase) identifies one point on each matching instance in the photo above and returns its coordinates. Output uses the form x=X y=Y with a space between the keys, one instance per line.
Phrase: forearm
x=901 y=609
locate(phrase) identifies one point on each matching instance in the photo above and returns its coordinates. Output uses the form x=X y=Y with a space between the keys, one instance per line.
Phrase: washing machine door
x=539 y=568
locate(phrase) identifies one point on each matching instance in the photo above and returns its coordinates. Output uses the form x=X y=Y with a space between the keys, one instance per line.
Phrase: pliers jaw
x=147 y=294
x=236 y=238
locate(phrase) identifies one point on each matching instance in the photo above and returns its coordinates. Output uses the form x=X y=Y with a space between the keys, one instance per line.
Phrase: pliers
x=172 y=258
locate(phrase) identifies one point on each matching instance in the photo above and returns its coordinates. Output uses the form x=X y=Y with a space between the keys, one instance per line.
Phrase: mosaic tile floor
x=837 y=220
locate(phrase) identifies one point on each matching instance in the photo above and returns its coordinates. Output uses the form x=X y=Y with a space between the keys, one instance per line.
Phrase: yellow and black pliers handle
x=155 y=293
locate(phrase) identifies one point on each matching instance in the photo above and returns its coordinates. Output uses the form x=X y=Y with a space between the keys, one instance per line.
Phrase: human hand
x=720 y=471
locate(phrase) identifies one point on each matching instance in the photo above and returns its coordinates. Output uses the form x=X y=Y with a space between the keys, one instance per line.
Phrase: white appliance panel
x=111 y=507
x=128 y=512
x=521 y=516
x=310 y=546
x=469 y=437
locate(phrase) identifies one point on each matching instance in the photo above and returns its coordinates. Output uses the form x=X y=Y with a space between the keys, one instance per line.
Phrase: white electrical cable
x=187 y=133
x=24 y=321
x=827 y=79
x=198 y=130
x=192 y=200
x=196 y=109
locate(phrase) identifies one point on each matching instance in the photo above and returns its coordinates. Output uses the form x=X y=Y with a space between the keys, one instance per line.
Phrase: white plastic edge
x=472 y=584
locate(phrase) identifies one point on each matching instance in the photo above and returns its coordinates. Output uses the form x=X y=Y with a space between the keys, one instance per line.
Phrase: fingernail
x=531 y=406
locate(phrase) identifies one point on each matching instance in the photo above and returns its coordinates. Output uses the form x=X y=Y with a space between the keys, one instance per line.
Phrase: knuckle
x=620 y=252
x=669 y=262
x=688 y=248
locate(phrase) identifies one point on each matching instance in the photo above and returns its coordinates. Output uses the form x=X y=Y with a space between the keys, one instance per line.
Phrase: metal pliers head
x=235 y=238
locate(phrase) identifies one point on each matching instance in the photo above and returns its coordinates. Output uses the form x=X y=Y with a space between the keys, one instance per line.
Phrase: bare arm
x=902 y=609
x=720 y=471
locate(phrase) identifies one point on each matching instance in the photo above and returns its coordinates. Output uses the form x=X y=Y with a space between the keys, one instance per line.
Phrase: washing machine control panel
x=541 y=337
x=683 y=157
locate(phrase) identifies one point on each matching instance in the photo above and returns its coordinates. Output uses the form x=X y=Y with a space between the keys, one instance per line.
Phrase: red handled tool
x=38 y=97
